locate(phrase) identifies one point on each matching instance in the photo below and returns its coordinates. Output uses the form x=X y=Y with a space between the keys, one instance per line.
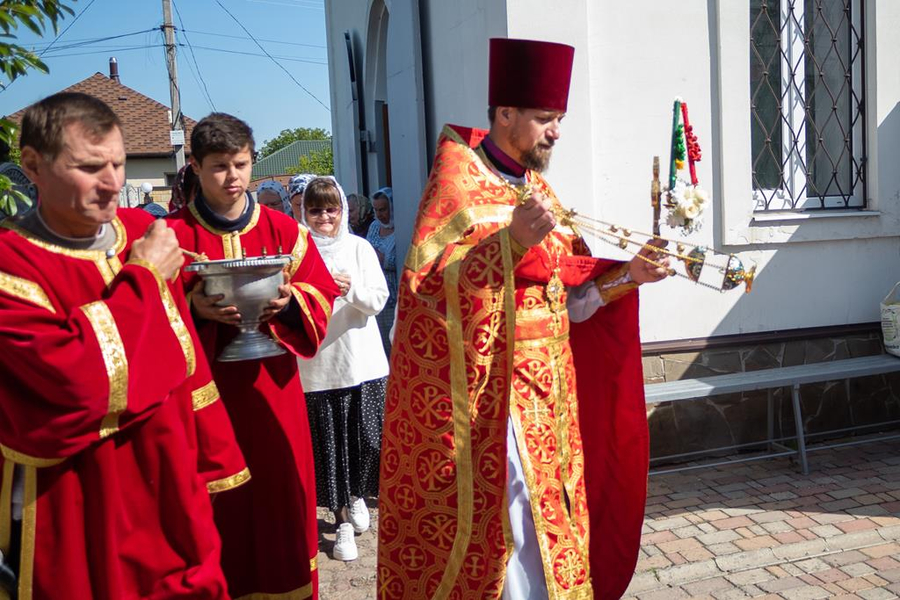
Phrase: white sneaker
x=359 y=515
x=345 y=544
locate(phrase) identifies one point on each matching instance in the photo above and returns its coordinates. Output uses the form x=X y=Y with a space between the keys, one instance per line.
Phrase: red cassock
x=107 y=412
x=268 y=527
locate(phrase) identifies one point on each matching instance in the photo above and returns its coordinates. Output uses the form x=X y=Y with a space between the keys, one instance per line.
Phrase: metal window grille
x=807 y=104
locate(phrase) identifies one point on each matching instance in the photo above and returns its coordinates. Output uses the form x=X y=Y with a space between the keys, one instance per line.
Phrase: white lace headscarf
x=328 y=245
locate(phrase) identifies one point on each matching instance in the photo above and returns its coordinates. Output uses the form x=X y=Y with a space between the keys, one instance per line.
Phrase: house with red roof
x=146 y=126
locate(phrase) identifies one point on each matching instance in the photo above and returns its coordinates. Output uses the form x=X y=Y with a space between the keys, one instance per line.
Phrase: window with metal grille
x=807 y=104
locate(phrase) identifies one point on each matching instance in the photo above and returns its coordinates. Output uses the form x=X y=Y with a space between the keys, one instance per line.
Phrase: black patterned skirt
x=346 y=437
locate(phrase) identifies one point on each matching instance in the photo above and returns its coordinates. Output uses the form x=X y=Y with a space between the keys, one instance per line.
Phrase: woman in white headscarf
x=381 y=236
x=345 y=382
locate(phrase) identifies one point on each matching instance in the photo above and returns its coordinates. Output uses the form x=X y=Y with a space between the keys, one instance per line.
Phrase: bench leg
x=798 y=421
x=770 y=417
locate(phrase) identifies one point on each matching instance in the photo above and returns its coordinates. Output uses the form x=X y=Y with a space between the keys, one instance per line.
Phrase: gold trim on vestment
x=231 y=240
x=422 y=254
x=299 y=250
x=24 y=289
x=229 y=483
x=509 y=307
x=108 y=267
x=462 y=427
x=205 y=395
x=313 y=563
x=173 y=314
x=299 y=594
x=304 y=308
x=9 y=468
x=29 y=531
x=113 y=351
x=315 y=293
x=31 y=461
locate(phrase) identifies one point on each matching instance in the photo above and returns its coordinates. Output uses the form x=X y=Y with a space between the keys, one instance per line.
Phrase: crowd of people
x=135 y=464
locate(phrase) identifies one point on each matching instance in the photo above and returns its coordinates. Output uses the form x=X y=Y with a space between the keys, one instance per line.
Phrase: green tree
x=319 y=162
x=15 y=61
x=289 y=136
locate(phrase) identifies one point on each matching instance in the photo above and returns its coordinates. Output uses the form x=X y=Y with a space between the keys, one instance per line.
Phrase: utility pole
x=177 y=124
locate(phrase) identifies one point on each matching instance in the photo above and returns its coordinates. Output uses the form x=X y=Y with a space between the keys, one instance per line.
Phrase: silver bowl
x=249 y=284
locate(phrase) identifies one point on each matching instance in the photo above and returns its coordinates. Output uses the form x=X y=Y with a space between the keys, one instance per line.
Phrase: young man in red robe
x=486 y=480
x=268 y=527
x=107 y=409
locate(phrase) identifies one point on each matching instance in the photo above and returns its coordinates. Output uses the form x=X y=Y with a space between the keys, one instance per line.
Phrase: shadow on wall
x=734 y=419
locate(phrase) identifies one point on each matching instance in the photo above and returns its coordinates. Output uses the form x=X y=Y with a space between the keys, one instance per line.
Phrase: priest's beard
x=538 y=158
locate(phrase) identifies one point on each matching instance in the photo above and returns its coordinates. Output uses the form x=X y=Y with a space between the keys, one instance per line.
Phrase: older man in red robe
x=268 y=527
x=107 y=410
x=486 y=482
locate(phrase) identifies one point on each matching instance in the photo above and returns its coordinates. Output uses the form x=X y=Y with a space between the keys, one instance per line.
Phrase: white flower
x=691 y=211
x=701 y=196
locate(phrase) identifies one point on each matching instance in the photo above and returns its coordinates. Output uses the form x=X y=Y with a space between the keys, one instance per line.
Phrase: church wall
x=632 y=59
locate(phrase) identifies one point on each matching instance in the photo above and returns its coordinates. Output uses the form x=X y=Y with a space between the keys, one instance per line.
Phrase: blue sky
x=240 y=79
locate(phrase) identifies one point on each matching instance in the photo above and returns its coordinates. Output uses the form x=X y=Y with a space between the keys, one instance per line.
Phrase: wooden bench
x=771 y=379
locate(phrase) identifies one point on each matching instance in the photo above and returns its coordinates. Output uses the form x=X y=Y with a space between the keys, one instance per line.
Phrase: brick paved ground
x=742 y=531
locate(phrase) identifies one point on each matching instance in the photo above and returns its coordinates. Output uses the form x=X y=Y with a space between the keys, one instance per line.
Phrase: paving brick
x=885 y=563
x=707 y=586
x=723 y=549
x=666 y=524
x=807 y=592
x=687 y=532
x=855 y=584
x=812 y=565
x=831 y=575
x=882 y=550
x=657 y=537
x=826 y=531
x=746 y=560
x=845 y=558
x=800 y=549
x=653 y=562
x=779 y=585
x=858 y=539
x=643 y=582
x=697 y=554
x=733 y=523
x=681 y=574
x=877 y=594
x=751 y=577
x=858 y=569
x=678 y=545
x=855 y=525
x=673 y=594
x=890 y=533
x=754 y=543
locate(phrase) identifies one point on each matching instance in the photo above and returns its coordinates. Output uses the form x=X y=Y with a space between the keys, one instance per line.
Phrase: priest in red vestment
x=268 y=527
x=484 y=471
x=111 y=433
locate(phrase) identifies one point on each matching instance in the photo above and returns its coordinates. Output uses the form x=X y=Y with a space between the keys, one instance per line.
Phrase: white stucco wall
x=631 y=60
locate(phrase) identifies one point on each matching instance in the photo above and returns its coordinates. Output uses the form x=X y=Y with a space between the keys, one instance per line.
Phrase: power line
x=107 y=51
x=280 y=66
x=88 y=41
x=287 y=58
x=62 y=33
x=241 y=37
x=68 y=27
x=198 y=75
x=295 y=4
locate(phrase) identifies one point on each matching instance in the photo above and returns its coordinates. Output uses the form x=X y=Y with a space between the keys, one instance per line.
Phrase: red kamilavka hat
x=530 y=74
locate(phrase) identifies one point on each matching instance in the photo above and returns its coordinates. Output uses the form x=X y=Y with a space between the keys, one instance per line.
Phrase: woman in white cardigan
x=345 y=382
